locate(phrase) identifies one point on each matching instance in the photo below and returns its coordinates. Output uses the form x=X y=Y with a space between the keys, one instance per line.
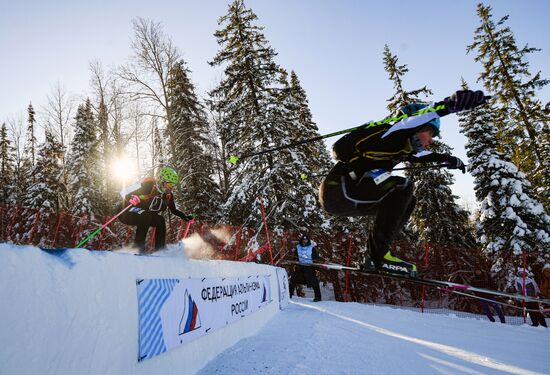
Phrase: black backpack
x=345 y=149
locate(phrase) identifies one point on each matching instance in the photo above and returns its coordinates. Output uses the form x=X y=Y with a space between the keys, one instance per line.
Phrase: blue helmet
x=409 y=109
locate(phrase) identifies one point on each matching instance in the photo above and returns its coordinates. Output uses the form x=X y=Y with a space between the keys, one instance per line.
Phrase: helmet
x=409 y=109
x=304 y=237
x=167 y=175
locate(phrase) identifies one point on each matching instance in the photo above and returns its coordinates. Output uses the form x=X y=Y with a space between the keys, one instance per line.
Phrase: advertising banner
x=282 y=281
x=173 y=312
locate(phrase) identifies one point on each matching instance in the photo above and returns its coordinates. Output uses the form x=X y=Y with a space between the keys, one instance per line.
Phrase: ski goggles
x=168 y=185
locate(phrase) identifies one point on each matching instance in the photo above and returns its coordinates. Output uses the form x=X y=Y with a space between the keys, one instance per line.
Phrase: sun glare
x=124 y=169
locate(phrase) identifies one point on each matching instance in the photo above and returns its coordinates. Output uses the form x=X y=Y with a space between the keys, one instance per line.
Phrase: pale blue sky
x=335 y=47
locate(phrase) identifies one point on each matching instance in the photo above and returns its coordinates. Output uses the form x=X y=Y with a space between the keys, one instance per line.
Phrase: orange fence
x=45 y=228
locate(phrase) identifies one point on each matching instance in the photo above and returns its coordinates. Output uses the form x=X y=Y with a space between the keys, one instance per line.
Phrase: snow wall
x=84 y=312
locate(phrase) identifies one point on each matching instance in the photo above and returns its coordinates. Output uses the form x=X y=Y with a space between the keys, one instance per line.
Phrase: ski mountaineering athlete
x=150 y=199
x=361 y=183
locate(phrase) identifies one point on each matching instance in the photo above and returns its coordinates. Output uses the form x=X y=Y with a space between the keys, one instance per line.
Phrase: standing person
x=306 y=252
x=528 y=287
x=482 y=280
x=150 y=199
x=361 y=182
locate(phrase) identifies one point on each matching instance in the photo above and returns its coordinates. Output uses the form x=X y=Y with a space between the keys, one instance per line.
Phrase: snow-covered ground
x=327 y=337
x=349 y=338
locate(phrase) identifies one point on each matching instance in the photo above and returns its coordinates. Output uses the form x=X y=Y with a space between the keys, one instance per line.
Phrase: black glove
x=187 y=217
x=465 y=99
x=455 y=163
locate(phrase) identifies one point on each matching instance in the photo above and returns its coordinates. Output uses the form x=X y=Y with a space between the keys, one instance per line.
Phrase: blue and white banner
x=282 y=280
x=173 y=312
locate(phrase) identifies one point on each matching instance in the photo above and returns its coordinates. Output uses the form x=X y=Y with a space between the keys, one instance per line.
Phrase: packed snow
x=326 y=337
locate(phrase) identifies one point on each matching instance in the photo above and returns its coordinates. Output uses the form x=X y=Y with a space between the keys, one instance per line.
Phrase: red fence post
x=237 y=242
x=347 y=264
x=523 y=289
x=266 y=230
x=152 y=242
x=425 y=268
x=59 y=215
x=13 y=221
x=180 y=230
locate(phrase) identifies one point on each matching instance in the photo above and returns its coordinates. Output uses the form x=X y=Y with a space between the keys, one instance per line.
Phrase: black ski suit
x=148 y=213
x=350 y=188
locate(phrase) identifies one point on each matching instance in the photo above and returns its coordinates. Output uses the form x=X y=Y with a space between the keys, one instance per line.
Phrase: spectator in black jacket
x=149 y=201
x=306 y=253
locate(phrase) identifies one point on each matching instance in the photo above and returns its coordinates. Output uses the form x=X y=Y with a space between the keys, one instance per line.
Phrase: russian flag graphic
x=190 y=319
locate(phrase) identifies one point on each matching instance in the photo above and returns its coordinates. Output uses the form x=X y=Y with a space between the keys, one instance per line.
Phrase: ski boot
x=394 y=265
x=365 y=262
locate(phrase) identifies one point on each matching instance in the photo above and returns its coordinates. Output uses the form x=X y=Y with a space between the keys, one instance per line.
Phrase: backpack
x=345 y=149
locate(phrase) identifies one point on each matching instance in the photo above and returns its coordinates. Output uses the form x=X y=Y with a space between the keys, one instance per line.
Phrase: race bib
x=379 y=175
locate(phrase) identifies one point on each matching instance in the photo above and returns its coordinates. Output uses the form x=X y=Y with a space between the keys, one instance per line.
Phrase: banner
x=173 y=312
x=282 y=281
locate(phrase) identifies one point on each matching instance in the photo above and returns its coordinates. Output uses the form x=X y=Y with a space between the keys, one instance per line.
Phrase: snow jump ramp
x=74 y=311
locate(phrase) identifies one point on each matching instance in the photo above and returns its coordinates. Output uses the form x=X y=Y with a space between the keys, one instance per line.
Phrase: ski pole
x=305 y=177
x=102 y=227
x=233 y=159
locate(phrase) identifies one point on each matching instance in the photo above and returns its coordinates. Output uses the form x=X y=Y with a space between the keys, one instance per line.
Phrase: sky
x=335 y=47
x=76 y=313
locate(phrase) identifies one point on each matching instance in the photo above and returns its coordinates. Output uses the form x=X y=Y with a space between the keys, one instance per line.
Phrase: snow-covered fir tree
x=106 y=155
x=192 y=151
x=31 y=142
x=7 y=173
x=437 y=218
x=43 y=196
x=396 y=73
x=24 y=173
x=249 y=98
x=525 y=127
x=511 y=220
x=83 y=166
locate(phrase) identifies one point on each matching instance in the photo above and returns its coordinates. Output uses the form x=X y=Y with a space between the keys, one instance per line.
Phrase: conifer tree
x=302 y=163
x=43 y=196
x=25 y=177
x=525 y=126
x=30 y=146
x=6 y=167
x=248 y=96
x=511 y=219
x=437 y=217
x=262 y=110
x=396 y=73
x=83 y=166
x=192 y=156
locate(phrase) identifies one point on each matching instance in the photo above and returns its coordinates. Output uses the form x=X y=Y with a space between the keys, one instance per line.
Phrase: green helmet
x=167 y=174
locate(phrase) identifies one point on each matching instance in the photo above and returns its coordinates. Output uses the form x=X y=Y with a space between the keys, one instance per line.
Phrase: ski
x=447 y=286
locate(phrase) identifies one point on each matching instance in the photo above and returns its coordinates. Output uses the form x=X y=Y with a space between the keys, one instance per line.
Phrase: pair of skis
x=447 y=286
